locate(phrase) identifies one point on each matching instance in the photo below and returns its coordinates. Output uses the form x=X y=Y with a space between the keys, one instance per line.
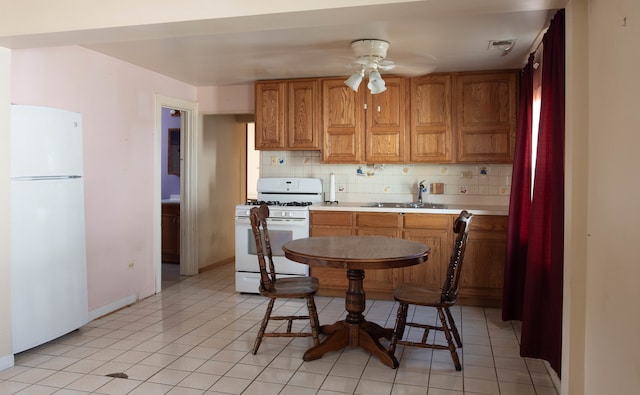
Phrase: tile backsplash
x=488 y=184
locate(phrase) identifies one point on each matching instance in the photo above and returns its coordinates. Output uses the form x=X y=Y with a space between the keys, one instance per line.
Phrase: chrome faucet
x=420 y=189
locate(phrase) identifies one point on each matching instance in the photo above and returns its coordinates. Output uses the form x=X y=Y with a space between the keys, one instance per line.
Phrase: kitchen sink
x=407 y=205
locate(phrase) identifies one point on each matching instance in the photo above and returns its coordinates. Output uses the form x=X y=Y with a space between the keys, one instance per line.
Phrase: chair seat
x=292 y=287
x=417 y=295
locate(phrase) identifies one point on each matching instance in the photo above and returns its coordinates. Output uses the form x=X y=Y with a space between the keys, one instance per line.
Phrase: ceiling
x=425 y=36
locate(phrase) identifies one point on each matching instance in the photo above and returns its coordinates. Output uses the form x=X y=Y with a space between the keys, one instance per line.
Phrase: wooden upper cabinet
x=485 y=113
x=270 y=115
x=361 y=127
x=287 y=115
x=303 y=115
x=431 y=133
x=342 y=122
x=385 y=126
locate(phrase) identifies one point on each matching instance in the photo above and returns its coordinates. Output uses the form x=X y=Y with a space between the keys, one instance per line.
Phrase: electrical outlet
x=466 y=174
x=274 y=161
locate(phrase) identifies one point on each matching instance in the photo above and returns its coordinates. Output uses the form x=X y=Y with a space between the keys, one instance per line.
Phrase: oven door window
x=277 y=237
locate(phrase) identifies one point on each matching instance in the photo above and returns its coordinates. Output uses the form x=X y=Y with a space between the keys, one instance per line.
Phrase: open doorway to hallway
x=190 y=137
x=170 y=171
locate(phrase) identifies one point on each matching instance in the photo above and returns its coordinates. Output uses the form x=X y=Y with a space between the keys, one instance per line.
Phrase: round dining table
x=355 y=254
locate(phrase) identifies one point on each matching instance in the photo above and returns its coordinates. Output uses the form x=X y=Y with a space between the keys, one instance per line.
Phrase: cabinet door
x=342 y=122
x=434 y=231
x=431 y=133
x=170 y=220
x=386 y=123
x=482 y=275
x=270 y=115
x=303 y=114
x=379 y=224
x=333 y=282
x=485 y=116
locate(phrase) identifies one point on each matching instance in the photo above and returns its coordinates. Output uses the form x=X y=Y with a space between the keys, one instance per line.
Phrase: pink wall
x=118 y=107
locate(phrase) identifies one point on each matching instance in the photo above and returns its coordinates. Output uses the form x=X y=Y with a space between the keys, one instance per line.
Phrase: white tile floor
x=195 y=338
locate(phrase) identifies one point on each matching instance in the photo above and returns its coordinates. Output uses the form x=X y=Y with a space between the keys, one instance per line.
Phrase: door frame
x=191 y=132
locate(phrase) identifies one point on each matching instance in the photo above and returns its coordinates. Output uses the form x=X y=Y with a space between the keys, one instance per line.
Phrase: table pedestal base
x=355 y=331
x=364 y=335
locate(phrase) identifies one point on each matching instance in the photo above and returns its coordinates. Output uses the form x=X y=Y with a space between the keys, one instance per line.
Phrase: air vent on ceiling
x=505 y=46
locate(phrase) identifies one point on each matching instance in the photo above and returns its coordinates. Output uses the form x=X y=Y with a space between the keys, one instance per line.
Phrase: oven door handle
x=285 y=220
x=275 y=221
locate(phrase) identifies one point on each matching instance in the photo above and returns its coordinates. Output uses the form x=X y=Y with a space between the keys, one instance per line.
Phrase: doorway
x=170 y=199
x=188 y=152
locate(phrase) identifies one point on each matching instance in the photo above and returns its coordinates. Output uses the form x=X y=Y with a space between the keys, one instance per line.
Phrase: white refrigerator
x=48 y=252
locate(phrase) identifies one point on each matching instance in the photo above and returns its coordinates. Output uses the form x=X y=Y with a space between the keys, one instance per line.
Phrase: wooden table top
x=356 y=252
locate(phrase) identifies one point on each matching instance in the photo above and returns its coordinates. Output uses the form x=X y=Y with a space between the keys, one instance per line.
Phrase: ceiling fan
x=370 y=57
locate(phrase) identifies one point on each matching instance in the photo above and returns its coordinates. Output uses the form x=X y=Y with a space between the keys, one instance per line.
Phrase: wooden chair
x=274 y=288
x=442 y=300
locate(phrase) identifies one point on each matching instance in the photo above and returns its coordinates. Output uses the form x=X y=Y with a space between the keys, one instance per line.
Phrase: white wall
x=612 y=336
x=576 y=163
x=6 y=356
x=116 y=100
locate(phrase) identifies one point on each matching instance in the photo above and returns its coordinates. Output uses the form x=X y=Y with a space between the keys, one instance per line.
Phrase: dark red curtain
x=519 y=203
x=542 y=296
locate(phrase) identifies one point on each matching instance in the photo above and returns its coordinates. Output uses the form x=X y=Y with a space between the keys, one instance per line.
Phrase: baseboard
x=216 y=264
x=554 y=376
x=6 y=362
x=111 y=307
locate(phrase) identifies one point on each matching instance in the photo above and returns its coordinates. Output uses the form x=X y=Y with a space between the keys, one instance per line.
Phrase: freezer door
x=48 y=260
x=45 y=142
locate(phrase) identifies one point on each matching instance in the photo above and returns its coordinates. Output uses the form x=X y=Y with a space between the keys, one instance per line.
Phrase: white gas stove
x=288 y=200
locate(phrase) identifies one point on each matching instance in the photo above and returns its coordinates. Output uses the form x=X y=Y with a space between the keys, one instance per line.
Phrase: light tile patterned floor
x=195 y=338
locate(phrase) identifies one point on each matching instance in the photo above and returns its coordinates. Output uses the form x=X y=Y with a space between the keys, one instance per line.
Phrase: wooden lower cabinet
x=483 y=270
x=435 y=231
x=333 y=282
x=482 y=275
x=379 y=283
x=170 y=232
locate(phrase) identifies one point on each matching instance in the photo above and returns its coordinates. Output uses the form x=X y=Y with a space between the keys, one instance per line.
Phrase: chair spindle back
x=258 y=217
x=452 y=279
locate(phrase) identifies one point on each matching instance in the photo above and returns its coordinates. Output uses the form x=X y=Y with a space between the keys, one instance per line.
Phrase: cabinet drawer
x=378 y=220
x=496 y=223
x=333 y=218
x=427 y=221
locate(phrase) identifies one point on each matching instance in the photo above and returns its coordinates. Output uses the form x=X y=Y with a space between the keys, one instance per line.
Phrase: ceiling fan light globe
x=377 y=86
x=353 y=82
x=375 y=76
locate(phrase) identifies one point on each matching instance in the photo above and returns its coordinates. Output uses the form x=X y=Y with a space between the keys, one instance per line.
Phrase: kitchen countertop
x=451 y=208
